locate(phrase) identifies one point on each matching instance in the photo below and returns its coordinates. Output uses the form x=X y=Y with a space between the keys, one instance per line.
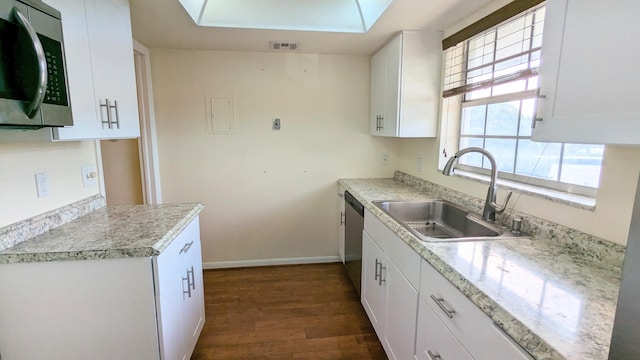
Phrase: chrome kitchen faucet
x=491 y=208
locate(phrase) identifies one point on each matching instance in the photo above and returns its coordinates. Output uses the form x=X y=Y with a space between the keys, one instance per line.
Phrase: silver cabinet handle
x=433 y=356
x=535 y=116
x=381 y=280
x=379 y=122
x=117 y=120
x=32 y=108
x=440 y=302
x=185 y=248
x=188 y=291
x=193 y=279
x=379 y=273
x=191 y=283
x=342 y=218
x=107 y=107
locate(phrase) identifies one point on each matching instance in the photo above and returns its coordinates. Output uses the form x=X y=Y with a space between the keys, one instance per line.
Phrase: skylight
x=351 y=16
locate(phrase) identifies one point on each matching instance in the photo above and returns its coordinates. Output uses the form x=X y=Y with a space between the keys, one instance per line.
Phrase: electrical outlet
x=89 y=175
x=42 y=184
x=276 y=124
x=419 y=165
x=385 y=159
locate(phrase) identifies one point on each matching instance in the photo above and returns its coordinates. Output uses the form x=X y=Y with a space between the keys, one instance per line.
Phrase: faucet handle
x=500 y=209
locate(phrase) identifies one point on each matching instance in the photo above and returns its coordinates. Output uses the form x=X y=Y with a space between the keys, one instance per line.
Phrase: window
x=492 y=79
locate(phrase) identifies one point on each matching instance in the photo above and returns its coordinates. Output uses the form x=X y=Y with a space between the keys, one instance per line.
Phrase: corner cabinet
x=589 y=78
x=390 y=277
x=405 y=86
x=101 y=73
x=121 y=308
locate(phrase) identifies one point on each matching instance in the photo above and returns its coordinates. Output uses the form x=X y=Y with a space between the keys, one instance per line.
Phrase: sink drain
x=430 y=229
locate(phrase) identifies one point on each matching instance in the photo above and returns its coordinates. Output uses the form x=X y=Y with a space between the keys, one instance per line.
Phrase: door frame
x=148 y=143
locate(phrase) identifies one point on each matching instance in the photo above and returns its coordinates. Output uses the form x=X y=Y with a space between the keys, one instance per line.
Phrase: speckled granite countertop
x=555 y=303
x=108 y=232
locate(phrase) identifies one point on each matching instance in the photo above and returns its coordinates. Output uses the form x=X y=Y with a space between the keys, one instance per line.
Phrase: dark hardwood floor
x=284 y=312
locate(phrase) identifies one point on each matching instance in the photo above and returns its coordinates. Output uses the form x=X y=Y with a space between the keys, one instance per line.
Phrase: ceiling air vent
x=274 y=45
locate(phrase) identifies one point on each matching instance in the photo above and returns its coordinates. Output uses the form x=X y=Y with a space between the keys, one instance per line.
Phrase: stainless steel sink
x=440 y=220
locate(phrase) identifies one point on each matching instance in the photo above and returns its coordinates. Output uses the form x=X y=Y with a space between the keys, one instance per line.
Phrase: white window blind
x=498 y=61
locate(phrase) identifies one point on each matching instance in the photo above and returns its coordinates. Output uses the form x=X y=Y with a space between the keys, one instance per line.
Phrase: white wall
x=268 y=194
x=25 y=153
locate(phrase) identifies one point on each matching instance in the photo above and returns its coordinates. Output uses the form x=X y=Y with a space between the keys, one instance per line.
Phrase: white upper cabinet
x=99 y=54
x=589 y=77
x=405 y=86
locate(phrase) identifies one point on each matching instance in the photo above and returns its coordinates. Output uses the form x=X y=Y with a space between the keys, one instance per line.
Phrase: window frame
x=461 y=102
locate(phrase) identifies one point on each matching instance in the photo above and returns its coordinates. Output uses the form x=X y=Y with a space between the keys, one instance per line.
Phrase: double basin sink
x=442 y=221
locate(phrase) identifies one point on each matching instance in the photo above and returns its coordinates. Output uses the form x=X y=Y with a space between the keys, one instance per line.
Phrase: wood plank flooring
x=284 y=312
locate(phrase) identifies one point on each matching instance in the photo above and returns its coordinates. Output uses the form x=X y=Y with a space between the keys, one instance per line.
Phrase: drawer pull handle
x=440 y=302
x=379 y=273
x=433 y=356
x=186 y=292
x=185 y=248
x=191 y=283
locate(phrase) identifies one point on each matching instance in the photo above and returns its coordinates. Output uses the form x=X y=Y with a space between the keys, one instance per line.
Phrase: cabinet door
x=169 y=297
x=400 y=315
x=393 y=53
x=341 y=218
x=589 y=75
x=385 y=90
x=378 y=89
x=193 y=298
x=109 y=28
x=373 y=292
x=79 y=73
x=434 y=341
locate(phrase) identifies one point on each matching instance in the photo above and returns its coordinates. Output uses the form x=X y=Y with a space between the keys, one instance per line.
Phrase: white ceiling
x=165 y=24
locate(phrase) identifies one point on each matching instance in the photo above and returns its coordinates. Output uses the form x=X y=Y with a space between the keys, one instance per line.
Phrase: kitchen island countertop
x=106 y=233
x=554 y=303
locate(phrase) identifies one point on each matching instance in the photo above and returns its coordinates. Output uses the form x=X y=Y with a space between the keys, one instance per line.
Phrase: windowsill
x=577 y=201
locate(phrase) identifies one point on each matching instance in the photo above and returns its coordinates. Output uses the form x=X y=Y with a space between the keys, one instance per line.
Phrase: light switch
x=89 y=175
x=276 y=124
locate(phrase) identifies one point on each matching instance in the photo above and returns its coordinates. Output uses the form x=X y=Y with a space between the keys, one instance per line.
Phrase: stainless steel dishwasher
x=354 y=224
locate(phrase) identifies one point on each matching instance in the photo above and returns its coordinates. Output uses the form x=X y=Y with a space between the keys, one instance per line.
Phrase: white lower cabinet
x=433 y=340
x=389 y=297
x=464 y=320
x=126 y=309
x=180 y=294
x=438 y=322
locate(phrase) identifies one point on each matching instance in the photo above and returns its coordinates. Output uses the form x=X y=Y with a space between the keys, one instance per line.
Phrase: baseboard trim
x=270 y=262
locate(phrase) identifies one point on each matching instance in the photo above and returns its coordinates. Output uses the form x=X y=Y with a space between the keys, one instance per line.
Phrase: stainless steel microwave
x=34 y=91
